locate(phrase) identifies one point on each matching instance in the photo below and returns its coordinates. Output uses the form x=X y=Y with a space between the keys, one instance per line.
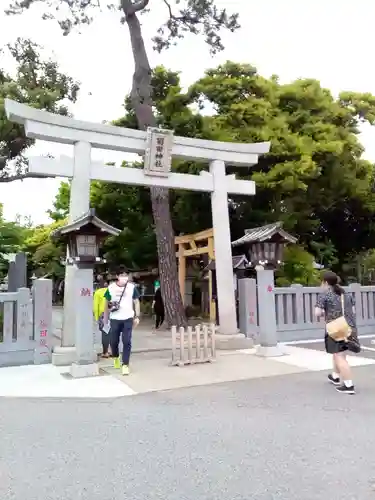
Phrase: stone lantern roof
x=269 y=232
x=89 y=219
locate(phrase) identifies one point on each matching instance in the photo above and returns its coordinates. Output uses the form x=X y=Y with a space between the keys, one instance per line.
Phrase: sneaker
x=125 y=370
x=333 y=380
x=117 y=363
x=346 y=390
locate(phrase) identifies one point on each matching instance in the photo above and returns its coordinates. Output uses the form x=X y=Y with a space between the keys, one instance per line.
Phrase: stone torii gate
x=81 y=170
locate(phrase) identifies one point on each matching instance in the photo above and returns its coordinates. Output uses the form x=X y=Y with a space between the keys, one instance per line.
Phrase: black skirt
x=333 y=346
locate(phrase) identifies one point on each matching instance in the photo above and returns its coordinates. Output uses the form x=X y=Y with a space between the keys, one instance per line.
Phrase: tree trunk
x=141 y=97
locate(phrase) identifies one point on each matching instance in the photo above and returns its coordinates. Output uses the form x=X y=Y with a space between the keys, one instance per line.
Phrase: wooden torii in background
x=194 y=245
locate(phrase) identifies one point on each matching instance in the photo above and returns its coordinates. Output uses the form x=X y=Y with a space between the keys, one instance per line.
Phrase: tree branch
x=140 y=5
x=131 y=8
x=19 y=177
x=169 y=8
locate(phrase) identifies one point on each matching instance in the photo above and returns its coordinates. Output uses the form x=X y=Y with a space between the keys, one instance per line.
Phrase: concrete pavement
x=367 y=344
x=149 y=372
x=152 y=372
x=48 y=381
x=144 y=340
x=291 y=437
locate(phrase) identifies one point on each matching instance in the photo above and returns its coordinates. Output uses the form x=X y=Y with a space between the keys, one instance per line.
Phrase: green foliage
x=128 y=208
x=198 y=17
x=60 y=209
x=125 y=207
x=38 y=83
x=298 y=268
x=12 y=237
x=325 y=253
x=369 y=262
x=314 y=180
x=45 y=254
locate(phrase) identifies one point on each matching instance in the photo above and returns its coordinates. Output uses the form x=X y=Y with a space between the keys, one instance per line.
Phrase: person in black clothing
x=158 y=307
x=331 y=304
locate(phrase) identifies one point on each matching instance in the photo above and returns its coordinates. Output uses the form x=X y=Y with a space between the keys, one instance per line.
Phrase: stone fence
x=295 y=305
x=25 y=324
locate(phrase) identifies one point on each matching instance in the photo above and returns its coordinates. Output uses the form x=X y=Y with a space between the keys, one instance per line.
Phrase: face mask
x=122 y=280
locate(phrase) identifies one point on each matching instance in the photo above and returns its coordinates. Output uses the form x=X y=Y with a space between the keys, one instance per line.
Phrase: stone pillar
x=223 y=250
x=85 y=364
x=17 y=273
x=21 y=270
x=79 y=204
x=267 y=313
x=248 y=310
x=355 y=289
x=42 y=314
x=12 y=277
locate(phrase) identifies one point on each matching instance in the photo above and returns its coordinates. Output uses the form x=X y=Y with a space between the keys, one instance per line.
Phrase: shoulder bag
x=115 y=305
x=338 y=329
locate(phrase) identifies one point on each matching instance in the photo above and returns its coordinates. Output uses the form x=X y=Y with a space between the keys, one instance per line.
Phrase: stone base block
x=269 y=351
x=82 y=371
x=233 y=342
x=65 y=356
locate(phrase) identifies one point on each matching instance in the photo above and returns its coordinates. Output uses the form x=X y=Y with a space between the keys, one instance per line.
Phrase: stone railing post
x=23 y=323
x=248 y=311
x=42 y=305
x=267 y=313
x=355 y=288
x=300 y=307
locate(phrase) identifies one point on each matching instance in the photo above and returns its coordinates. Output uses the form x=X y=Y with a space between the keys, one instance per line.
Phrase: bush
x=298 y=267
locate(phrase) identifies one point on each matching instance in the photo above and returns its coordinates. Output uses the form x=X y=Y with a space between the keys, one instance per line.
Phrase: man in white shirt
x=122 y=309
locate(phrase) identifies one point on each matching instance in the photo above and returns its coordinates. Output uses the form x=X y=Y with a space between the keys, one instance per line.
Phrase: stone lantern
x=84 y=237
x=264 y=248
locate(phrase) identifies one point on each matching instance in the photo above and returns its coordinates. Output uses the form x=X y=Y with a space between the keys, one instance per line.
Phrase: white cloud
x=314 y=38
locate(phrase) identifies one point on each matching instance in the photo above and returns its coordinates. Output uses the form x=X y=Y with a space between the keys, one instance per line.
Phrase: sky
x=326 y=40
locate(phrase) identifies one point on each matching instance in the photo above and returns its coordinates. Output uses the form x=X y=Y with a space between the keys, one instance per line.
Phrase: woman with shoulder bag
x=337 y=307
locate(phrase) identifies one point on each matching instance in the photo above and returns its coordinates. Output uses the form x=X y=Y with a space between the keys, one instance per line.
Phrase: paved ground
x=367 y=343
x=149 y=372
x=287 y=438
x=152 y=372
x=143 y=337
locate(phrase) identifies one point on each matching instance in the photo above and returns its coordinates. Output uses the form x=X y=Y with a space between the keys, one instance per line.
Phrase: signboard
x=158 y=155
